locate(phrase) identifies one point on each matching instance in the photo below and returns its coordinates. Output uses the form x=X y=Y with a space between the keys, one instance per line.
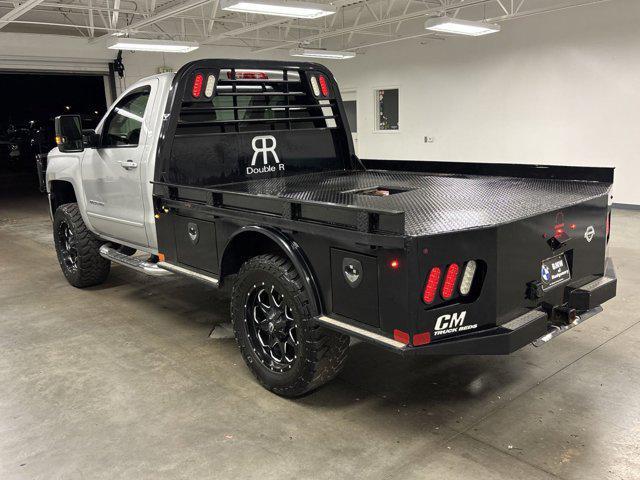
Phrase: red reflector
x=421 y=338
x=401 y=336
x=431 y=287
x=450 y=281
x=394 y=263
x=324 y=87
x=197 y=85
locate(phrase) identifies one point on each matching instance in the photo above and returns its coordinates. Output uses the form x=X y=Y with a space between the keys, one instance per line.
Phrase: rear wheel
x=270 y=309
x=77 y=248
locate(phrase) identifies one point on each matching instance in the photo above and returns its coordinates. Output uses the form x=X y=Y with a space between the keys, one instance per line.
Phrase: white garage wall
x=562 y=88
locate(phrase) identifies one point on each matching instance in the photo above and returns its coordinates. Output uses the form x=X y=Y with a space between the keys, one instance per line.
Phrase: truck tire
x=287 y=352
x=77 y=248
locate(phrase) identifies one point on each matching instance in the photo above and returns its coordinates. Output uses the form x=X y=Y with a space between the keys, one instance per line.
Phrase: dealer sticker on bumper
x=554 y=270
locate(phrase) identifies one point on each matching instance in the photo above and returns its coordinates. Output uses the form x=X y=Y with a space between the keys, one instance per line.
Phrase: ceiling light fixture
x=281 y=8
x=142 y=45
x=460 y=27
x=331 y=54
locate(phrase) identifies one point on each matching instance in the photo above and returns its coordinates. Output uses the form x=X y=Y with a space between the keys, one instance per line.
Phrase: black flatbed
x=432 y=203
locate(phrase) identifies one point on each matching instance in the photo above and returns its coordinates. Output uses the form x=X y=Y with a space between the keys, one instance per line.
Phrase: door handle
x=128 y=165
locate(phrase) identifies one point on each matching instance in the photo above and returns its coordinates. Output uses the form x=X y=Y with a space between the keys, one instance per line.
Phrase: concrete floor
x=123 y=381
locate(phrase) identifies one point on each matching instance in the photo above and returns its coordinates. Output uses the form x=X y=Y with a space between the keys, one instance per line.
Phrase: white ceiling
x=358 y=24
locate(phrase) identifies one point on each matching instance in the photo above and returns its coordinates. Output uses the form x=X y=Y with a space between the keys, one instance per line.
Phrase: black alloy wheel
x=271 y=327
x=68 y=246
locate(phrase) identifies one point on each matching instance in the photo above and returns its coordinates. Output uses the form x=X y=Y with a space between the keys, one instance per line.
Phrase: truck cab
x=109 y=175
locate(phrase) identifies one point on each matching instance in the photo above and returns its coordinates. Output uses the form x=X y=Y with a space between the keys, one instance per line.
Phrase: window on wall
x=387 y=109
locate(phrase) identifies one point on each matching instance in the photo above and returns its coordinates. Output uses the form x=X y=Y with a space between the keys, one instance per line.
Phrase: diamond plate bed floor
x=433 y=203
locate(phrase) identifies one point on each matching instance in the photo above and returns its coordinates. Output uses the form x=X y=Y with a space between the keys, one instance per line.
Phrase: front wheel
x=78 y=248
x=288 y=353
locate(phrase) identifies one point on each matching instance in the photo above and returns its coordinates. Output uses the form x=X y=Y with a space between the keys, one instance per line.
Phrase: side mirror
x=69 y=133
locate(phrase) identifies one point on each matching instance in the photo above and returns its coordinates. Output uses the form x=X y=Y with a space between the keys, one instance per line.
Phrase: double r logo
x=262 y=145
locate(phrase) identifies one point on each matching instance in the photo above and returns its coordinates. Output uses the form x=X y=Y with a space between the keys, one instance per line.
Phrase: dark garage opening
x=30 y=102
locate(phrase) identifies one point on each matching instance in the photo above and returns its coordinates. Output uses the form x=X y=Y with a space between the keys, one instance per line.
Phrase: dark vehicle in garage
x=245 y=171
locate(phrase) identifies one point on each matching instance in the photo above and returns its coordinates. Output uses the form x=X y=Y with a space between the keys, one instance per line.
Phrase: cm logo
x=450 y=321
x=264 y=145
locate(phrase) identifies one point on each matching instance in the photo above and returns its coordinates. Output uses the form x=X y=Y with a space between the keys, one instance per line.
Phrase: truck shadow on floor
x=445 y=383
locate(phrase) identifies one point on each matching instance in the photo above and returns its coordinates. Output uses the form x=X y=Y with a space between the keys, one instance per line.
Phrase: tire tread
x=92 y=269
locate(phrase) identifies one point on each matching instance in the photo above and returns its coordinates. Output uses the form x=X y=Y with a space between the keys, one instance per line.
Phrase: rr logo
x=450 y=321
x=262 y=145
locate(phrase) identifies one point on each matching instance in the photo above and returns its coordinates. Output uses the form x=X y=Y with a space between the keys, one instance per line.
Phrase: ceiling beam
x=164 y=14
x=18 y=11
x=116 y=14
x=91 y=24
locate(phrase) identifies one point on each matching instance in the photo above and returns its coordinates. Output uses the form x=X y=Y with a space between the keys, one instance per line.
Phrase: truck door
x=111 y=173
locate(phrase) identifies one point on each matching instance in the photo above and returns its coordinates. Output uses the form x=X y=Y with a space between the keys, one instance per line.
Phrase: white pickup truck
x=246 y=170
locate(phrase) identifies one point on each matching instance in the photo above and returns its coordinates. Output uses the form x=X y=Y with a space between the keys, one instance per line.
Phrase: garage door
x=52 y=64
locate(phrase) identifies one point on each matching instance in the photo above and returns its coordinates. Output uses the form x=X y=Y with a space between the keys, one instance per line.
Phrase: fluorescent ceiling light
x=142 y=45
x=281 y=8
x=305 y=52
x=460 y=27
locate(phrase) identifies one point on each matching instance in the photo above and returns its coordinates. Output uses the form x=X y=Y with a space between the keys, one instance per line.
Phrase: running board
x=171 y=268
x=135 y=263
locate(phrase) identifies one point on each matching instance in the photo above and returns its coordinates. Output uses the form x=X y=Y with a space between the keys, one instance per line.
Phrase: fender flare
x=294 y=253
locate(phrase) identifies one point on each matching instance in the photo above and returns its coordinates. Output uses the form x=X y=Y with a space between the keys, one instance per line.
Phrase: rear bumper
x=533 y=327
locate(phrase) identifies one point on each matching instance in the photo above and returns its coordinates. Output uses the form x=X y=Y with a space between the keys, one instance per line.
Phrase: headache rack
x=246 y=100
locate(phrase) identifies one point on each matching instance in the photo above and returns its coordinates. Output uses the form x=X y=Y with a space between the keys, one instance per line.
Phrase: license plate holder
x=554 y=271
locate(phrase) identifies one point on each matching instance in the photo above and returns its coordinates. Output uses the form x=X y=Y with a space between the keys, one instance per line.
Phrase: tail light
x=453 y=281
x=450 y=281
x=197 y=85
x=324 y=87
x=467 y=277
x=431 y=287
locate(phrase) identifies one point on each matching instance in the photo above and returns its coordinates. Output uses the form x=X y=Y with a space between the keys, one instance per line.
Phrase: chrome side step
x=135 y=263
x=171 y=268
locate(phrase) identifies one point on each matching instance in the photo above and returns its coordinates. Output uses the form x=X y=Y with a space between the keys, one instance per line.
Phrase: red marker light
x=572 y=226
x=431 y=287
x=197 y=85
x=324 y=87
x=395 y=264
